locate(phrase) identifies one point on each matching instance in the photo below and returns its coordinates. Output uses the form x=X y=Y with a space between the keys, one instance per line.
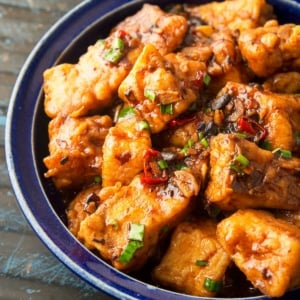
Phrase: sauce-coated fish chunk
x=266 y=249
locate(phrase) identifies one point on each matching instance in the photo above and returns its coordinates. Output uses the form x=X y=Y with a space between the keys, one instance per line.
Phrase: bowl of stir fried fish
x=154 y=147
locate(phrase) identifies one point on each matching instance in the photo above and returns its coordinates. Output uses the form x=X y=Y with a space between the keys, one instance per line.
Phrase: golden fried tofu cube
x=234 y=14
x=264 y=181
x=273 y=46
x=75 y=150
x=265 y=249
x=123 y=151
x=84 y=204
x=90 y=85
x=156 y=87
x=193 y=258
x=154 y=26
x=154 y=207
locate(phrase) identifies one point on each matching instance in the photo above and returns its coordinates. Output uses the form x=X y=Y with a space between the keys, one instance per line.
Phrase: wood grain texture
x=27 y=269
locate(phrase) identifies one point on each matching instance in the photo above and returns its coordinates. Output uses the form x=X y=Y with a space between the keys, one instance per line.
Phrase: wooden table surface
x=27 y=269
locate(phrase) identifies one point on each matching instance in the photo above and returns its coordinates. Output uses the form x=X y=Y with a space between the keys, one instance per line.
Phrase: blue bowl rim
x=22 y=167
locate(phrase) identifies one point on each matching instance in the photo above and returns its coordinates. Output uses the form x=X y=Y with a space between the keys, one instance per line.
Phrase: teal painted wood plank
x=22 y=289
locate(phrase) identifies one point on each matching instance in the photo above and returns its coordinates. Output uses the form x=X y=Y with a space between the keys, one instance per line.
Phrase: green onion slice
x=187 y=146
x=201 y=263
x=181 y=166
x=287 y=154
x=241 y=135
x=143 y=125
x=136 y=232
x=265 y=144
x=149 y=94
x=239 y=163
x=212 y=285
x=243 y=160
x=204 y=142
x=129 y=251
x=118 y=43
x=162 y=164
x=136 y=236
x=113 y=55
x=166 y=108
x=206 y=79
x=126 y=112
x=97 y=179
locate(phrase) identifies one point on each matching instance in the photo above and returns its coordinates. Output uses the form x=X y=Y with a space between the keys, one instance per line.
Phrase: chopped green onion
x=113 y=55
x=287 y=154
x=201 y=263
x=241 y=135
x=212 y=285
x=265 y=145
x=204 y=142
x=239 y=163
x=243 y=160
x=181 y=166
x=129 y=251
x=187 y=146
x=149 y=94
x=126 y=112
x=207 y=110
x=118 y=43
x=166 y=109
x=200 y=135
x=206 y=79
x=136 y=236
x=97 y=179
x=143 y=125
x=162 y=164
x=235 y=168
x=136 y=232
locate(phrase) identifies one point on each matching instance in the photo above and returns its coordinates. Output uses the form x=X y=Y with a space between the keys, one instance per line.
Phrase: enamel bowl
x=27 y=142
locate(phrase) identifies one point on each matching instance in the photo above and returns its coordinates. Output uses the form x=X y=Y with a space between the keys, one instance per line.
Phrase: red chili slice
x=122 y=34
x=181 y=121
x=250 y=126
x=152 y=172
x=198 y=81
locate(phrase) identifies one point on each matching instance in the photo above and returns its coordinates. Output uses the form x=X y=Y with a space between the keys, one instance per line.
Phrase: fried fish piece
x=151 y=207
x=75 y=150
x=270 y=48
x=233 y=14
x=242 y=175
x=85 y=203
x=91 y=85
x=286 y=83
x=194 y=257
x=154 y=26
x=123 y=151
x=266 y=249
x=159 y=87
x=276 y=114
